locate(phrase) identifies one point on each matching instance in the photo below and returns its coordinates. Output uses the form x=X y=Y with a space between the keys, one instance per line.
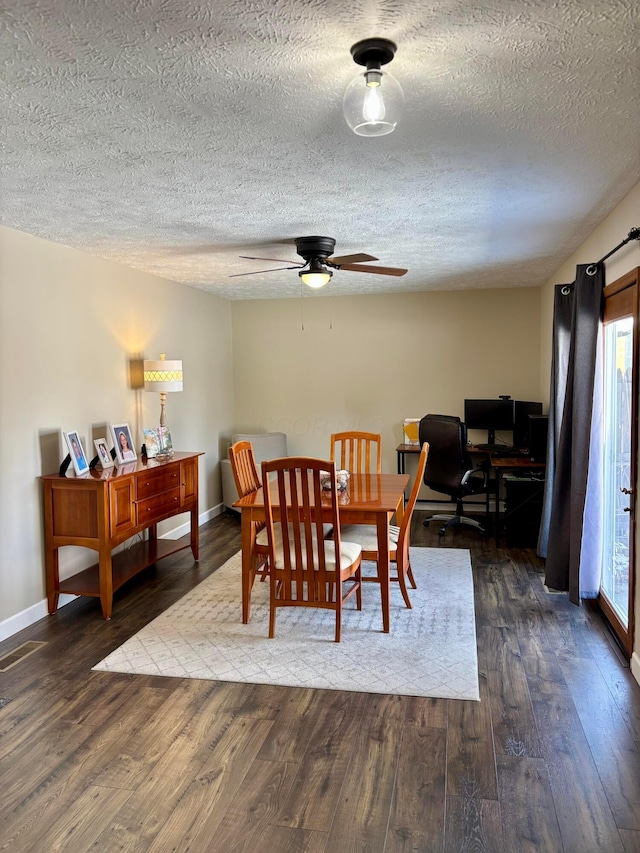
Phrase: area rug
x=430 y=651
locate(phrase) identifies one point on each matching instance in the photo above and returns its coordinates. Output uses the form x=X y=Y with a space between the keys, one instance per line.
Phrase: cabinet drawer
x=153 y=482
x=159 y=506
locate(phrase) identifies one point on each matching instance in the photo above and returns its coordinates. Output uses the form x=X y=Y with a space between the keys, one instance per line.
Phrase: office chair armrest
x=481 y=469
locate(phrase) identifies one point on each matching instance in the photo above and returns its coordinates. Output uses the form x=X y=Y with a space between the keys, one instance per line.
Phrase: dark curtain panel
x=562 y=312
x=577 y=319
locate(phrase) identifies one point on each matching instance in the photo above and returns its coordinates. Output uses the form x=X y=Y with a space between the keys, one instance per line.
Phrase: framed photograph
x=123 y=443
x=104 y=455
x=158 y=442
x=76 y=451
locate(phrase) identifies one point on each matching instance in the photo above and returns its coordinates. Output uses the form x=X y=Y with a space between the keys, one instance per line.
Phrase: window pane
x=617 y=473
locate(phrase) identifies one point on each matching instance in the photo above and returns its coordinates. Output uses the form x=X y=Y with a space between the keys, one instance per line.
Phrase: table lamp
x=162 y=376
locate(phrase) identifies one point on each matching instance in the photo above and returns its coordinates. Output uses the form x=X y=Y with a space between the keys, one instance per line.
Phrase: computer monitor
x=521 y=412
x=491 y=415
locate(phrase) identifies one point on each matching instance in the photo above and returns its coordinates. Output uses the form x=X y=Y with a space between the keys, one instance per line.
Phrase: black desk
x=401 y=449
x=500 y=465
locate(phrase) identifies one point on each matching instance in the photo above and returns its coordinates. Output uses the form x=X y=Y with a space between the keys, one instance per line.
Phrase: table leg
x=248 y=545
x=382 y=525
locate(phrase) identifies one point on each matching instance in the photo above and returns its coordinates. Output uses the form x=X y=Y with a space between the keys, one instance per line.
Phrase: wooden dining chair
x=357 y=452
x=247 y=480
x=307 y=570
x=367 y=536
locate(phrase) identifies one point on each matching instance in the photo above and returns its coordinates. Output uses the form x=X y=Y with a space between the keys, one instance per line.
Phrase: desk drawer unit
x=523 y=510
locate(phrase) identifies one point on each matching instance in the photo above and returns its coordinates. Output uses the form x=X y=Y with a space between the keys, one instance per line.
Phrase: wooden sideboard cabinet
x=103 y=508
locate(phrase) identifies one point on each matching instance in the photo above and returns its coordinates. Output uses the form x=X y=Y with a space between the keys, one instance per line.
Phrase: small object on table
x=342 y=479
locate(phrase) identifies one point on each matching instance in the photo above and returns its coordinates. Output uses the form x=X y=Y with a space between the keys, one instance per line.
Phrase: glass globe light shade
x=316 y=279
x=373 y=103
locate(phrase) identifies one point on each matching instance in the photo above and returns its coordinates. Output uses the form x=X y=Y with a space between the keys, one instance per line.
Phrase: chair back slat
x=359 y=452
x=244 y=468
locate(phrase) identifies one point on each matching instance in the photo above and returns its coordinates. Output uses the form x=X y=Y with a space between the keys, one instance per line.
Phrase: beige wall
x=608 y=234
x=69 y=323
x=385 y=359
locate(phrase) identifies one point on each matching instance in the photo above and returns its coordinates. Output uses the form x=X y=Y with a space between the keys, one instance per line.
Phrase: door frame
x=621 y=299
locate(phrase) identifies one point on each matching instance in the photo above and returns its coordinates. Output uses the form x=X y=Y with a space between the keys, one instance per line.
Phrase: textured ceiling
x=175 y=135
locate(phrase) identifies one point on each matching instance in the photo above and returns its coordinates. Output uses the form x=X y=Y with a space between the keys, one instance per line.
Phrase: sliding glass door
x=620 y=455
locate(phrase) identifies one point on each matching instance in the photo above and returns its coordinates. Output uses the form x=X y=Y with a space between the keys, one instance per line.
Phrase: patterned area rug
x=431 y=650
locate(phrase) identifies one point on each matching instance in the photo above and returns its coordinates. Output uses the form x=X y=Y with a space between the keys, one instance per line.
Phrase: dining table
x=370 y=499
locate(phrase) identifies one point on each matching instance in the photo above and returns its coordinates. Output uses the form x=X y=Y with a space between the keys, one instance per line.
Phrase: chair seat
x=366 y=535
x=262 y=539
x=349 y=553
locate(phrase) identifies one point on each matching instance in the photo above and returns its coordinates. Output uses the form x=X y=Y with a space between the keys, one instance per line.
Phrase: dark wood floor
x=548 y=760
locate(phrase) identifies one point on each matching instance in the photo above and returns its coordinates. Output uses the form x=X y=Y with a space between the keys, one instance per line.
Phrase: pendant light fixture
x=373 y=101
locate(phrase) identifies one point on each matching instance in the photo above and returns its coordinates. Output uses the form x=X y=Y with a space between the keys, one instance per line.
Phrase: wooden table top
x=366 y=492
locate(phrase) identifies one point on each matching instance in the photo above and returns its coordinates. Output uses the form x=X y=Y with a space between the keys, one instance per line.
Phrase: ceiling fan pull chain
x=330 y=307
x=301 y=306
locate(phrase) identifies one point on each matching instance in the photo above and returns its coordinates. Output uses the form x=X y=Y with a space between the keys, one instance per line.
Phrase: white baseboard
x=635 y=666
x=183 y=529
x=29 y=616
x=38 y=611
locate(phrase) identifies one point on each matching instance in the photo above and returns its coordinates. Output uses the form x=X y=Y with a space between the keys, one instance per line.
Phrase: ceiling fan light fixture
x=373 y=102
x=317 y=275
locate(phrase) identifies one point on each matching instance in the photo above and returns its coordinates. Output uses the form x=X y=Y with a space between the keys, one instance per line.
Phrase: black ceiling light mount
x=373 y=101
x=374 y=52
x=315 y=247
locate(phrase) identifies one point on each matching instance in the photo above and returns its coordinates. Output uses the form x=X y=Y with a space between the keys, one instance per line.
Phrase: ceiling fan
x=319 y=261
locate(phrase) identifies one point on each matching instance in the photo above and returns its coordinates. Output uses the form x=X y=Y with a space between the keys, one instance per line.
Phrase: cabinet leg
x=106 y=582
x=53 y=579
x=195 y=534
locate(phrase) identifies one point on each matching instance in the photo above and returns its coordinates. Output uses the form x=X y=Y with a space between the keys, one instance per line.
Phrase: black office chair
x=450 y=469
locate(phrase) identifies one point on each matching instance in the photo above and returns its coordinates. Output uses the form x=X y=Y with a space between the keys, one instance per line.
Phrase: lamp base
x=165 y=447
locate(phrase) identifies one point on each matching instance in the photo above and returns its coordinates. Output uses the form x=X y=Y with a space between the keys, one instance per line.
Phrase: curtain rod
x=634 y=234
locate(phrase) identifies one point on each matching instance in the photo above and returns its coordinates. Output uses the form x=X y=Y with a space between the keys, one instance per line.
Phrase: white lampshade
x=162 y=376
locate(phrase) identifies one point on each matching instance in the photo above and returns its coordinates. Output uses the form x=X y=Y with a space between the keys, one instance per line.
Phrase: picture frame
x=158 y=442
x=103 y=452
x=76 y=452
x=123 y=443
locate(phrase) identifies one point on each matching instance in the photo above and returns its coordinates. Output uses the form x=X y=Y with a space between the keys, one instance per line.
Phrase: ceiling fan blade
x=275 y=260
x=351 y=259
x=376 y=270
x=257 y=272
